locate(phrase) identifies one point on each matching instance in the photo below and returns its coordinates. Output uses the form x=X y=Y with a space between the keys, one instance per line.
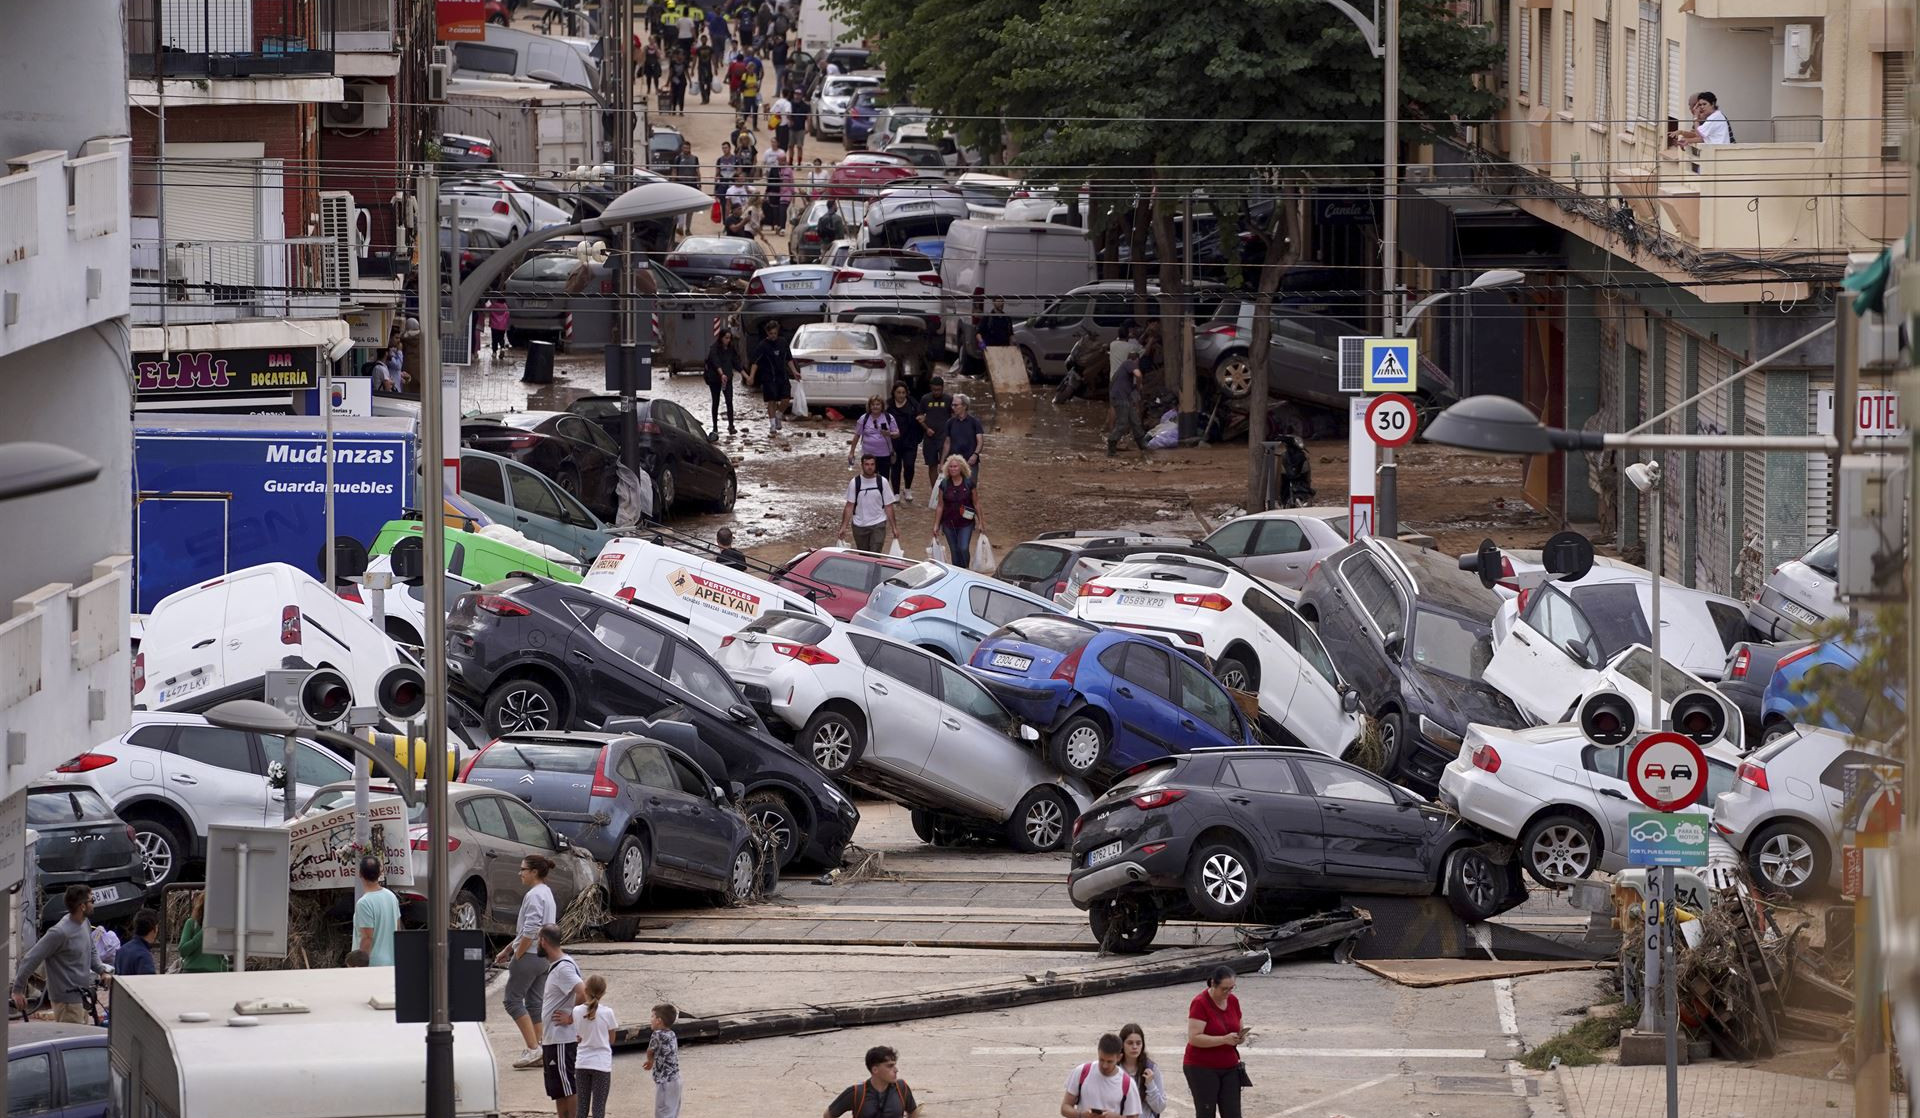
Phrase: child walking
x=663 y=1059
x=593 y=1073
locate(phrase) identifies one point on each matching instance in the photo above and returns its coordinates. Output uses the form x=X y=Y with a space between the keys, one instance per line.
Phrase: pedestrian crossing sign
x=1391 y=365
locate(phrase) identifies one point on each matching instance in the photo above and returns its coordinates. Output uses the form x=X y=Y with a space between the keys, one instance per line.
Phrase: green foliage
x=1581 y=1045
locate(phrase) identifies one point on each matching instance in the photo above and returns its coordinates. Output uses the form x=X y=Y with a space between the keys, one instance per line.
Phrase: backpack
x=860 y=1094
x=830 y=227
x=1086 y=1069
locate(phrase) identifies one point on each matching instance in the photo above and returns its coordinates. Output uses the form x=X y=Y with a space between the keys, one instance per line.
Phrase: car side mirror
x=740 y=714
x=719 y=794
x=1349 y=700
x=1028 y=733
x=562 y=840
x=1395 y=645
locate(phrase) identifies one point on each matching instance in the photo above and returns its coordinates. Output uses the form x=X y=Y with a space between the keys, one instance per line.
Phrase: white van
x=176 y=1050
x=1024 y=262
x=214 y=641
x=707 y=600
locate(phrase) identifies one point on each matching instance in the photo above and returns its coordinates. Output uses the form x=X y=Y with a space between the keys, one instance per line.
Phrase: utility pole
x=1386 y=497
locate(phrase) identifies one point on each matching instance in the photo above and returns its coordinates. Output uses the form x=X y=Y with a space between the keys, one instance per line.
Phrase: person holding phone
x=1101 y=1088
x=1215 y=1033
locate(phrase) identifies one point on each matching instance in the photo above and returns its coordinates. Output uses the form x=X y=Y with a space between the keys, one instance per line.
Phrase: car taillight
x=467 y=773
x=1796 y=654
x=1078 y=822
x=1226 y=331
x=502 y=208
x=1506 y=574
x=1095 y=590
x=931 y=279
x=520 y=442
x=848 y=275
x=870 y=362
x=676 y=261
x=139 y=672
x=1215 y=602
x=740 y=264
x=1754 y=774
x=919 y=603
x=601 y=785
x=1158 y=797
x=1070 y=667
x=625 y=594
x=756 y=286
x=1521 y=603
x=1486 y=757
x=647 y=427
x=420 y=841
x=87 y=762
x=1741 y=660
x=350 y=592
x=809 y=654
x=606 y=287
x=811 y=236
x=501 y=606
x=481 y=150
x=1059 y=584
x=133 y=836
x=726 y=640
x=290 y=625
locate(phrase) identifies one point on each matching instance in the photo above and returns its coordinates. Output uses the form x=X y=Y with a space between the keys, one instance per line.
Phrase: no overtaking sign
x=1667 y=771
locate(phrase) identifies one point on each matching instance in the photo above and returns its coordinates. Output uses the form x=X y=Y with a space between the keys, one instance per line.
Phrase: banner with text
x=322 y=853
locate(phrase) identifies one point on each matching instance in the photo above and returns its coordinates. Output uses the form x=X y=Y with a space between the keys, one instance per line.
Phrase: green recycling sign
x=1659 y=838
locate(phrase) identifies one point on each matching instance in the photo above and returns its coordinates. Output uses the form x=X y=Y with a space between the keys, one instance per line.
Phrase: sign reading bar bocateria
x=322 y=854
x=225 y=372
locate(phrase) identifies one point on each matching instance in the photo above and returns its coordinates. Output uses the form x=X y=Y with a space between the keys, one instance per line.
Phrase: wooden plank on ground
x=1008 y=371
x=1422 y=973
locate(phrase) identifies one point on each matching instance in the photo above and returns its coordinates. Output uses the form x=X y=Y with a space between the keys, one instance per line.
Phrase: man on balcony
x=1711 y=125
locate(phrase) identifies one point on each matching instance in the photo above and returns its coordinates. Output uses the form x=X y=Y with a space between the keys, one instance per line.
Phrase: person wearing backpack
x=883 y=1094
x=831 y=225
x=869 y=509
x=1101 y=1088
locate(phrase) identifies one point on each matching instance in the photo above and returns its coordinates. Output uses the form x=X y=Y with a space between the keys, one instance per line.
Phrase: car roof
x=525 y=420
x=1317 y=512
x=27 y=1034
x=1438 y=579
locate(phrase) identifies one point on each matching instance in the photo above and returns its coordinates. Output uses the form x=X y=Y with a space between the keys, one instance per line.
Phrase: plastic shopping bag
x=983 y=553
x=841 y=544
x=894 y=549
x=933 y=495
x=937 y=551
x=799 y=395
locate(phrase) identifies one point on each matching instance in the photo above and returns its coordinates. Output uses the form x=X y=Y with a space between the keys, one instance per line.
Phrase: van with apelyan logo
x=708 y=601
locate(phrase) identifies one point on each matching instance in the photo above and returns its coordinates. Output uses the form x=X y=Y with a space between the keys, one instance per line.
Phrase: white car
x=885 y=281
x=842 y=364
x=906 y=723
x=1561 y=628
x=1282 y=545
x=172 y=775
x=829 y=119
x=987 y=195
x=1799 y=594
x=1564 y=799
x=1786 y=813
x=1255 y=640
x=405 y=603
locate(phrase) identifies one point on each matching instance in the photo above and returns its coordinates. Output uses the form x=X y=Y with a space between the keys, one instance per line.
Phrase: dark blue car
x=1827 y=671
x=1109 y=699
x=57 y=1070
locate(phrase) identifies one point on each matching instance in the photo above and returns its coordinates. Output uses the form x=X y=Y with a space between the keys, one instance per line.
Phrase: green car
x=474 y=557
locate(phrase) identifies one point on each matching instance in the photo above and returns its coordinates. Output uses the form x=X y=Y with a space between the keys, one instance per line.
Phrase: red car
x=863 y=174
x=852 y=575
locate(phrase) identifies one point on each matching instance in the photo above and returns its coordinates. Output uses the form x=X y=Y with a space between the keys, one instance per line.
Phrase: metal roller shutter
x=213 y=222
x=1752 y=566
x=1673 y=462
x=1819 y=466
x=1713 y=477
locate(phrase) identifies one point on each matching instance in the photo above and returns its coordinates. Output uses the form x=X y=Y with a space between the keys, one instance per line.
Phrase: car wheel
x=1234 y=672
x=1559 y=846
x=833 y=739
x=922 y=821
x=663 y=493
x=1041 y=823
x=1233 y=374
x=162 y=850
x=627 y=871
x=466 y=911
x=1393 y=737
x=740 y=875
x=521 y=705
x=1472 y=885
x=1775 y=730
x=729 y=493
x=1124 y=925
x=1032 y=364
x=1079 y=747
x=1787 y=858
x=1219 y=881
x=768 y=810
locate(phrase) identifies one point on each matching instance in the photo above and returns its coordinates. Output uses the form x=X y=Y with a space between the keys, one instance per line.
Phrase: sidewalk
x=1709 y=1090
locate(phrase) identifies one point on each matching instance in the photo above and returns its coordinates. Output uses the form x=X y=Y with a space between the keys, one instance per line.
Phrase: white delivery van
x=213 y=641
x=339 y=1055
x=1026 y=263
x=707 y=600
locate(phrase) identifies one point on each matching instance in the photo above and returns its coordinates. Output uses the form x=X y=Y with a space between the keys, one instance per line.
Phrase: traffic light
x=1698 y=715
x=325 y=697
x=401 y=693
x=1606 y=718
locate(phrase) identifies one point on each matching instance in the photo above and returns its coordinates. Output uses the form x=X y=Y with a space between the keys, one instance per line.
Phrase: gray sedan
x=1282 y=545
x=791 y=294
x=537 y=300
x=487 y=836
x=707 y=260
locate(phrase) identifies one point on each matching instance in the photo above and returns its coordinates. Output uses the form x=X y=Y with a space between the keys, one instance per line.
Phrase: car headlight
x=1436 y=733
x=833 y=794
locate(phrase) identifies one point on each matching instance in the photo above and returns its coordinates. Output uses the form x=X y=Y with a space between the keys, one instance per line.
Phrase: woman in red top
x=1214 y=1036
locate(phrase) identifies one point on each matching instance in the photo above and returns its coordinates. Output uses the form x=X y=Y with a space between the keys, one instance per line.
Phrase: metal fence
x=230 y=38
x=215 y=281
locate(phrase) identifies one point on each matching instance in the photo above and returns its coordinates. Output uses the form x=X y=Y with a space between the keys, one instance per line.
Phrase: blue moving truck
x=217 y=493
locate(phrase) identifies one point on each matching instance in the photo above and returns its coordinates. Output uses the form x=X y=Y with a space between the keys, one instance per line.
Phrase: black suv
x=543 y=655
x=1217 y=833
x=1413 y=633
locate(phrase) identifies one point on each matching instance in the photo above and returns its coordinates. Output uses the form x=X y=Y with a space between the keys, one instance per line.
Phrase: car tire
x=629 y=871
x=1232 y=667
x=1032 y=364
x=1775 y=730
x=468 y=911
x=729 y=493
x=1220 y=880
x=1124 y=925
x=165 y=850
x=1473 y=885
x=1787 y=858
x=520 y=705
x=664 y=492
x=833 y=740
x=1233 y=375
x=1080 y=746
x=922 y=821
x=741 y=874
x=1559 y=845
x=772 y=812
x=1042 y=823
x=1393 y=742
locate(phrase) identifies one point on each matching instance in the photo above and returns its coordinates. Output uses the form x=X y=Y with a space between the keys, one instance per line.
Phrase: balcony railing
x=1749 y=197
x=230 y=38
x=219 y=281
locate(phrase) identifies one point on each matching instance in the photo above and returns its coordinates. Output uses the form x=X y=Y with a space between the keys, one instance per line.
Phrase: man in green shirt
x=375 y=915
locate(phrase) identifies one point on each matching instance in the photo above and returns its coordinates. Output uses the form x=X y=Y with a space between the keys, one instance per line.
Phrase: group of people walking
x=886 y=440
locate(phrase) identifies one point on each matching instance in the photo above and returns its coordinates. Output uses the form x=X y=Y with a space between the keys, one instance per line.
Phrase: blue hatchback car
x=1110 y=699
x=1822 y=670
x=946 y=610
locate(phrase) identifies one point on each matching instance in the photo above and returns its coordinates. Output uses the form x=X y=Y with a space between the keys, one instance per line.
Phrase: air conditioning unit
x=342 y=225
x=443 y=55
x=437 y=81
x=1800 y=53
x=367 y=106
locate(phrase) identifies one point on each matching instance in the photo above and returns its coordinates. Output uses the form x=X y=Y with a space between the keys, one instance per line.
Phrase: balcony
x=63 y=238
x=1748 y=197
x=363 y=26
x=64 y=672
x=224 y=281
x=231 y=38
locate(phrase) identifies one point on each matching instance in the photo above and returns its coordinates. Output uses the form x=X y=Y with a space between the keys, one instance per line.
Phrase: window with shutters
x=1893 y=103
x=1496 y=30
x=1543 y=53
x=1645 y=100
x=1523 y=35
x=1630 y=45
x=1566 y=64
x=1676 y=99
x=1602 y=71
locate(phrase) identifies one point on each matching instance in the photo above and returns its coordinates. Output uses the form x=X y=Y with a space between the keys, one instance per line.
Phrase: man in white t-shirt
x=560 y=1041
x=1101 y=1088
x=870 y=500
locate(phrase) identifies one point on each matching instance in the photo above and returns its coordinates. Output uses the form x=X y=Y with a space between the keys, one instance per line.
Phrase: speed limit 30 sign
x=1391 y=420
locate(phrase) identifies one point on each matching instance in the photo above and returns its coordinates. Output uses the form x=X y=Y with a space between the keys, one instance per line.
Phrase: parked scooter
x=1086 y=367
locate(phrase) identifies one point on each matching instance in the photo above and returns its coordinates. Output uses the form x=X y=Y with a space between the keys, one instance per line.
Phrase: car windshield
x=1031 y=561
x=1163 y=571
x=1443 y=643
x=332 y=798
x=1613 y=610
x=1057 y=634
x=891 y=261
x=790 y=626
x=1140 y=781
x=818 y=336
x=918 y=575
x=48 y=807
x=539 y=757
x=546 y=268
x=1637 y=667
x=1825 y=556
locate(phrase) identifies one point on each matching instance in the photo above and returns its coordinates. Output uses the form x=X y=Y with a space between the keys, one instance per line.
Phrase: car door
x=596 y=455
x=664 y=804
x=987 y=609
x=87 y=1079
x=903 y=705
x=1052 y=330
x=531 y=834
x=710 y=832
x=1542 y=664
x=220 y=773
x=482 y=483
x=1280 y=552
x=685 y=319
x=972 y=753
x=1313 y=712
x=1299 y=367
x=534 y=510
x=1374 y=836
x=1378 y=610
x=1282 y=815
x=1144 y=702
x=30 y=1085
x=1605 y=773
x=1209 y=717
x=690 y=473
x=616 y=661
x=486 y=817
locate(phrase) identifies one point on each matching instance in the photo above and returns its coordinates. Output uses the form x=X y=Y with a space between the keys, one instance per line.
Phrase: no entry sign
x=1391 y=420
x=1667 y=771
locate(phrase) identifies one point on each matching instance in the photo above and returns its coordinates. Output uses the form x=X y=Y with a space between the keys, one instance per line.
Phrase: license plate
x=1799 y=613
x=173 y=689
x=538 y=302
x=1144 y=601
x=890 y=284
x=1009 y=660
x=106 y=894
x=834 y=367
x=796 y=285
x=1105 y=853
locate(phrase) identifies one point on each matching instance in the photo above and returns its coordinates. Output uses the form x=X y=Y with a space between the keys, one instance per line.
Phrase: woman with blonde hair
x=959 y=516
